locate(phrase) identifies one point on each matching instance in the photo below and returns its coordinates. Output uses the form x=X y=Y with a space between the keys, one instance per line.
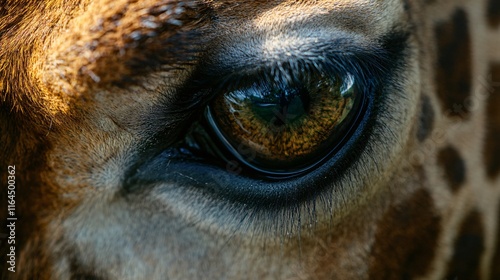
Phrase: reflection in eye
x=288 y=126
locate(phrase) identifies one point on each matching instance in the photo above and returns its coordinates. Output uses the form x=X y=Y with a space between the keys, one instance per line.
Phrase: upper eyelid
x=360 y=64
x=367 y=67
x=337 y=52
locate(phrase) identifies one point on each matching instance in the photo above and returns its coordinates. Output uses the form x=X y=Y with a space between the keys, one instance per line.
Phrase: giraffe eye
x=284 y=128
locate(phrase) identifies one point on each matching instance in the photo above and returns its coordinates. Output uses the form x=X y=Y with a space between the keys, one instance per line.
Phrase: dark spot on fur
x=406 y=239
x=469 y=246
x=453 y=166
x=493 y=13
x=492 y=144
x=84 y=277
x=80 y=273
x=495 y=267
x=453 y=73
x=426 y=120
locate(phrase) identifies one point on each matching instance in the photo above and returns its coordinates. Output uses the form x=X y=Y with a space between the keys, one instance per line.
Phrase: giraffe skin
x=91 y=92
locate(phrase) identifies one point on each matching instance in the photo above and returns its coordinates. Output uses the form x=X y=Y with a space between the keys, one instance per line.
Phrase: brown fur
x=453 y=166
x=493 y=12
x=427 y=116
x=90 y=90
x=409 y=231
x=454 y=64
x=469 y=246
x=492 y=150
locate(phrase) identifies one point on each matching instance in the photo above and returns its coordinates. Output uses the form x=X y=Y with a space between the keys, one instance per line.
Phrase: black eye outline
x=229 y=153
x=159 y=162
x=366 y=67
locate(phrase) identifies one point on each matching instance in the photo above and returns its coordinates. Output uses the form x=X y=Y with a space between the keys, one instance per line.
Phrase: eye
x=279 y=128
x=261 y=137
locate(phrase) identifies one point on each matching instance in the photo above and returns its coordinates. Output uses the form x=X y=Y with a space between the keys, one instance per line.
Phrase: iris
x=286 y=125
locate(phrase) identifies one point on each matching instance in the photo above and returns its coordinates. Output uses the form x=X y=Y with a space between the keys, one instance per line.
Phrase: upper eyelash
x=368 y=70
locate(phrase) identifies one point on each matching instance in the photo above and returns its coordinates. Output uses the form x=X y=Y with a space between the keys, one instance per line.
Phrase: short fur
x=90 y=91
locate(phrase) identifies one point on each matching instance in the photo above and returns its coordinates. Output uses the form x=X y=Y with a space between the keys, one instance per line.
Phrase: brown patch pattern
x=493 y=13
x=426 y=120
x=454 y=63
x=406 y=239
x=469 y=246
x=453 y=166
x=492 y=146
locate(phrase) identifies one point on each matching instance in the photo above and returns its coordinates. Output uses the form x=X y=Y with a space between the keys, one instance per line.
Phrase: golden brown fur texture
x=92 y=91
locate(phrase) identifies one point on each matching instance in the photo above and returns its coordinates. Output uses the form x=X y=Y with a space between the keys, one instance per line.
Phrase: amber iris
x=286 y=125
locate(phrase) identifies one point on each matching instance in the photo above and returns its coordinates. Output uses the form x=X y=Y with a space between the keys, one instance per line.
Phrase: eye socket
x=283 y=128
x=200 y=150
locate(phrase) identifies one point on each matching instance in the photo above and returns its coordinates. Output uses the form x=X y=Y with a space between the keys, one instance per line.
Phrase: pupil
x=282 y=106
